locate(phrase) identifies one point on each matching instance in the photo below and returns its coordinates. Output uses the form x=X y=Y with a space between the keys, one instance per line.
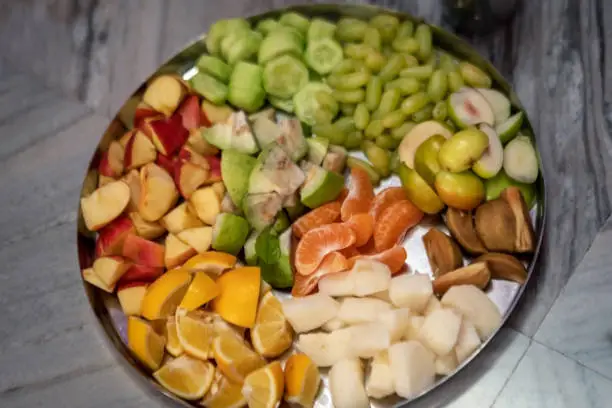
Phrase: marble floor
x=66 y=67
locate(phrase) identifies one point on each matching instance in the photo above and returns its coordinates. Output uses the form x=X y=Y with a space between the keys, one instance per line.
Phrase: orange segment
x=384 y=199
x=173 y=344
x=302 y=380
x=360 y=194
x=394 y=258
x=235 y=358
x=272 y=334
x=238 y=295
x=264 y=388
x=394 y=223
x=319 y=242
x=363 y=227
x=332 y=263
x=212 y=262
x=195 y=333
x=164 y=295
x=342 y=196
x=186 y=377
x=145 y=343
x=326 y=214
x=223 y=393
x=201 y=290
x=349 y=252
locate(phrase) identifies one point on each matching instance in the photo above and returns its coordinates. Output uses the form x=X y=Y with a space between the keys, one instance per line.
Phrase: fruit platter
x=320 y=206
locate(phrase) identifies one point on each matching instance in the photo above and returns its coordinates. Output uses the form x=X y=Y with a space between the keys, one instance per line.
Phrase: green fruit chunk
x=317 y=149
x=275 y=172
x=278 y=273
x=294 y=207
x=508 y=129
x=292 y=137
x=494 y=187
x=379 y=158
x=282 y=222
x=321 y=186
x=499 y=103
x=467 y=107
x=260 y=209
x=234 y=133
x=335 y=159
x=266 y=131
x=352 y=162
x=464 y=191
x=419 y=192
x=417 y=135
x=250 y=254
x=459 y=152
x=493 y=158
x=229 y=233
x=521 y=160
x=426 y=158
x=236 y=169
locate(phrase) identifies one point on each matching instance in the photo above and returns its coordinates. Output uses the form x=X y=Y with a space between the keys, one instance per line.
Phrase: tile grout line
x=513 y=370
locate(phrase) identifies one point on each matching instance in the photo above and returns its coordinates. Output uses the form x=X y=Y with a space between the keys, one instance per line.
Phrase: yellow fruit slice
x=173 y=344
x=186 y=377
x=195 y=332
x=164 y=295
x=263 y=388
x=235 y=358
x=239 y=295
x=212 y=262
x=145 y=343
x=223 y=393
x=302 y=380
x=272 y=335
x=201 y=290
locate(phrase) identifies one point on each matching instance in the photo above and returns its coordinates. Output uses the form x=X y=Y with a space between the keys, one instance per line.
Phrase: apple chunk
x=139 y=151
x=140 y=273
x=143 y=252
x=133 y=181
x=189 y=177
x=164 y=94
x=110 y=268
x=167 y=163
x=146 y=229
x=158 y=194
x=199 y=238
x=191 y=114
x=90 y=276
x=130 y=297
x=105 y=204
x=214 y=168
x=177 y=252
x=188 y=154
x=199 y=144
x=180 y=218
x=207 y=204
x=111 y=161
x=167 y=134
x=104 y=180
x=143 y=112
x=111 y=237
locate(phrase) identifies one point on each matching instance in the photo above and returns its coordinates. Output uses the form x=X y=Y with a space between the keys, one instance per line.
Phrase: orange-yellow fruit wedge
x=302 y=380
x=263 y=388
x=235 y=358
x=186 y=377
x=201 y=290
x=272 y=335
x=195 y=332
x=145 y=343
x=224 y=393
x=164 y=295
x=211 y=262
x=173 y=345
x=239 y=295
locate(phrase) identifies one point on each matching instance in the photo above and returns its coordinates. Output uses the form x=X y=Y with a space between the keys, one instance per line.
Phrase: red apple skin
x=188 y=177
x=112 y=237
x=131 y=284
x=143 y=252
x=111 y=161
x=140 y=273
x=166 y=163
x=214 y=166
x=188 y=154
x=191 y=114
x=168 y=134
x=142 y=112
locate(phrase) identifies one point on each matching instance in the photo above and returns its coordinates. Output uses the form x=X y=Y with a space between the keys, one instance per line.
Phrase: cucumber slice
x=323 y=55
x=260 y=209
x=215 y=67
x=220 y=29
x=317 y=149
x=284 y=76
x=275 y=172
x=490 y=163
x=209 y=87
x=321 y=187
x=279 y=42
x=250 y=255
x=307 y=106
x=494 y=187
x=229 y=233
x=500 y=104
x=285 y=105
x=267 y=25
x=510 y=128
x=236 y=169
x=243 y=48
x=319 y=29
x=335 y=159
x=296 y=20
x=520 y=160
x=245 y=87
x=468 y=107
x=292 y=138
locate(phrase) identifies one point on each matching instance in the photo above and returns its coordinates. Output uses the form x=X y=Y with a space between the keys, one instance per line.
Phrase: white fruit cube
x=413 y=368
x=475 y=306
x=414 y=327
x=433 y=304
x=380 y=381
x=337 y=284
x=361 y=310
x=325 y=349
x=383 y=295
x=368 y=339
x=309 y=312
x=467 y=341
x=440 y=330
x=396 y=321
x=333 y=325
x=446 y=364
x=370 y=277
x=411 y=291
x=346 y=385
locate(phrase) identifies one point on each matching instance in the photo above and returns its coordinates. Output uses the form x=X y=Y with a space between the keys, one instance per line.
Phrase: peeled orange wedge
x=239 y=295
x=201 y=290
x=164 y=295
x=235 y=358
x=211 y=262
x=272 y=335
x=263 y=388
x=145 y=343
x=223 y=393
x=173 y=345
x=195 y=332
x=302 y=380
x=186 y=377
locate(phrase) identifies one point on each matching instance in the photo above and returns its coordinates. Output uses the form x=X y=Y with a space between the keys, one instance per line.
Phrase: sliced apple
x=167 y=134
x=139 y=150
x=215 y=113
x=104 y=180
x=158 y=193
x=214 y=168
x=141 y=273
x=105 y=204
x=191 y=114
x=177 y=252
x=146 y=229
x=110 y=268
x=188 y=154
x=219 y=188
x=180 y=218
x=207 y=204
x=90 y=276
x=143 y=252
x=198 y=238
x=123 y=140
x=199 y=144
x=133 y=181
x=166 y=163
x=143 y=112
x=130 y=297
x=189 y=177
x=111 y=161
x=164 y=94
x=111 y=237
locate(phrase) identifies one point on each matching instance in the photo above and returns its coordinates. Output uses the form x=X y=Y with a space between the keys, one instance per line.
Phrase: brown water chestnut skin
x=442 y=251
x=461 y=225
x=504 y=266
x=496 y=226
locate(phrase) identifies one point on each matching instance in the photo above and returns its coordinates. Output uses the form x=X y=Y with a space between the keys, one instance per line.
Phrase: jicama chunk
x=396 y=321
x=325 y=349
x=467 y=341
x=380 y=381
x=346 y=384
x=411 y=291
x=413 y=368
x=309 y=312
x=361 y=310
x=440 y=330
x=368 y=339
x=475 y=306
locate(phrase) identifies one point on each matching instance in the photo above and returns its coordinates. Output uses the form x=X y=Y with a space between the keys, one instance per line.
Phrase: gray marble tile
x=578 y=324
x=545 y=378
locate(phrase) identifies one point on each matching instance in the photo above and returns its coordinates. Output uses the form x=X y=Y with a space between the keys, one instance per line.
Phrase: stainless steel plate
x=505 y=294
